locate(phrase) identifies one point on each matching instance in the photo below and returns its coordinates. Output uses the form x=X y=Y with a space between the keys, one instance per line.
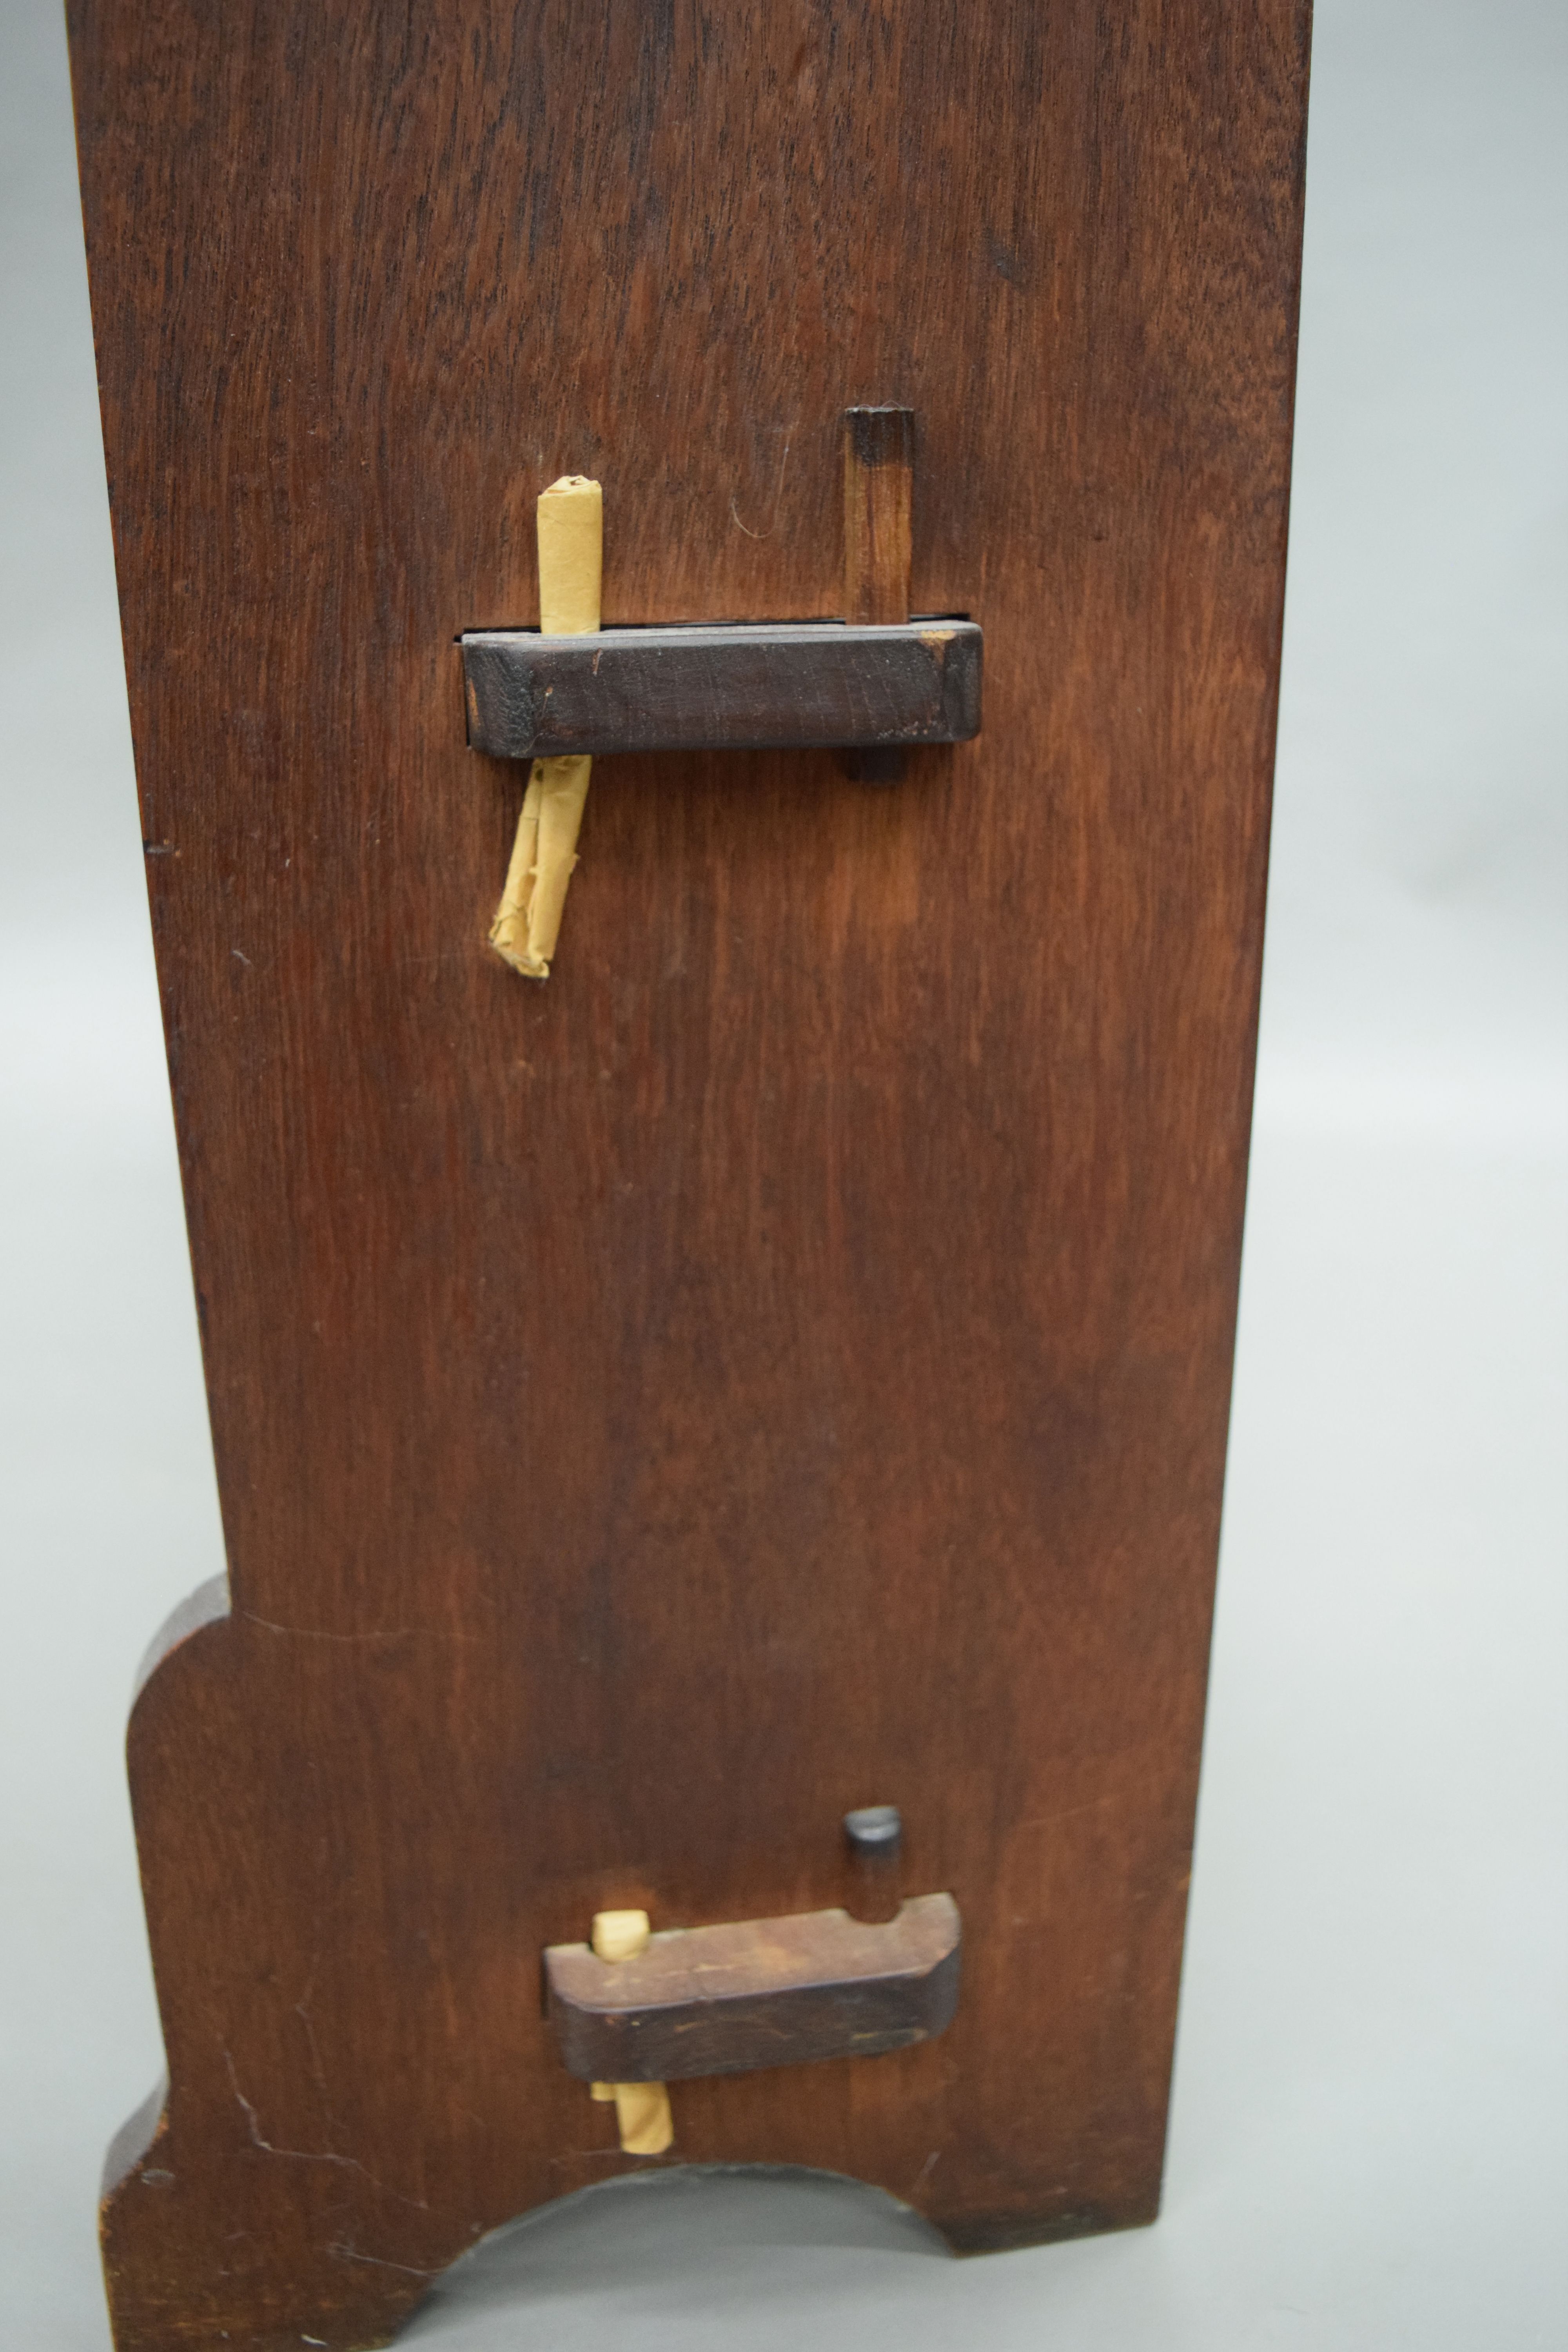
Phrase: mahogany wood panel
x=804 y=686
x=781 y=1363
x=756 y=1992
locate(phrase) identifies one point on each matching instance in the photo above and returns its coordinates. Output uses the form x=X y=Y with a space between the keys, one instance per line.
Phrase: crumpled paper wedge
x=571 y=569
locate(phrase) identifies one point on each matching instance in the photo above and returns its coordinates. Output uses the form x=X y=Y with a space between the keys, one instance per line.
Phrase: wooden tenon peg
x=875 y=1836
x=879 y=485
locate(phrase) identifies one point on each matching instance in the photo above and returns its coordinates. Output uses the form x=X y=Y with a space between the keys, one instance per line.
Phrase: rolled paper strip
x=642 y=2109
x=571 y=522
x=620 y=1934
x=570 y=519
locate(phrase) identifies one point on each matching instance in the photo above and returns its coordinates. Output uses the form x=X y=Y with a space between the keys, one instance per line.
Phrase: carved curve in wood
x=283 y=2182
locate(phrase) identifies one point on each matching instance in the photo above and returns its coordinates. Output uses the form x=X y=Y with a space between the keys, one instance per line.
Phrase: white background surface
x=1370 y=2135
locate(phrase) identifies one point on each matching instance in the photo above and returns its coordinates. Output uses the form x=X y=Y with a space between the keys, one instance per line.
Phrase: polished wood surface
x=780 y=1364
x=805 y=686
x=756 y=1992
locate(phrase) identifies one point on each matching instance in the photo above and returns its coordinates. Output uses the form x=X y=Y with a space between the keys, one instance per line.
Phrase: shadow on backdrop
x=674 y=2244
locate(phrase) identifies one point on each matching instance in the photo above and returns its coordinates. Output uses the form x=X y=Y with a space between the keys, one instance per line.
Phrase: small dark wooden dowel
x=874 y=1836
x=879 y=485
x=878 y=500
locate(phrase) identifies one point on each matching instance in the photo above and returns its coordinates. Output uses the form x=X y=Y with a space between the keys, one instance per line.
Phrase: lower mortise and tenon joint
x=756 y=1992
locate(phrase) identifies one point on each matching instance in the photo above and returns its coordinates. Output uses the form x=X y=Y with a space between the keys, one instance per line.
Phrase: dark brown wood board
x=781 y=1364
x=813 y=684
x=758 y=1993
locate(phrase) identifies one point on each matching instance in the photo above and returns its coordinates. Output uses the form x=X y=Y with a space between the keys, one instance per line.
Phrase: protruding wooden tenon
x=874 y=1836
x=879 y=497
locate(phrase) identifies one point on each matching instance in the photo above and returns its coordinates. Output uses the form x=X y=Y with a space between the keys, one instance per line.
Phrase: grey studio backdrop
x=1370 y=2134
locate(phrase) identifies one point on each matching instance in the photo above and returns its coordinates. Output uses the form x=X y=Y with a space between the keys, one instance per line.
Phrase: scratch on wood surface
x=1072 y=1812
x=321 y=1632
x=311 y=2154
x=372 y=1633
x=377 y=2261
x=778 y=494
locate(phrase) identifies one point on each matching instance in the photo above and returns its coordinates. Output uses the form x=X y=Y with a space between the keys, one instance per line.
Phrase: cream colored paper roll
x=571 y=556
x=642 y=2109
x=571 y=520
x=642 y=2113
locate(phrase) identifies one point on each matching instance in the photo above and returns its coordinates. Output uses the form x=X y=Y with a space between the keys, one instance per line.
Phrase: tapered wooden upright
x=781 y=1366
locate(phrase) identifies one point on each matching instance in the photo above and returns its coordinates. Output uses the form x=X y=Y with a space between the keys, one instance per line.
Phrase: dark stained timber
x=760 y=1992
x=799 y=686
x=779 y=1365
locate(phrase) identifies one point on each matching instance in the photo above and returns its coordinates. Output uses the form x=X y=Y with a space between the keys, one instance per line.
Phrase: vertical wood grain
x=783 y=1365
